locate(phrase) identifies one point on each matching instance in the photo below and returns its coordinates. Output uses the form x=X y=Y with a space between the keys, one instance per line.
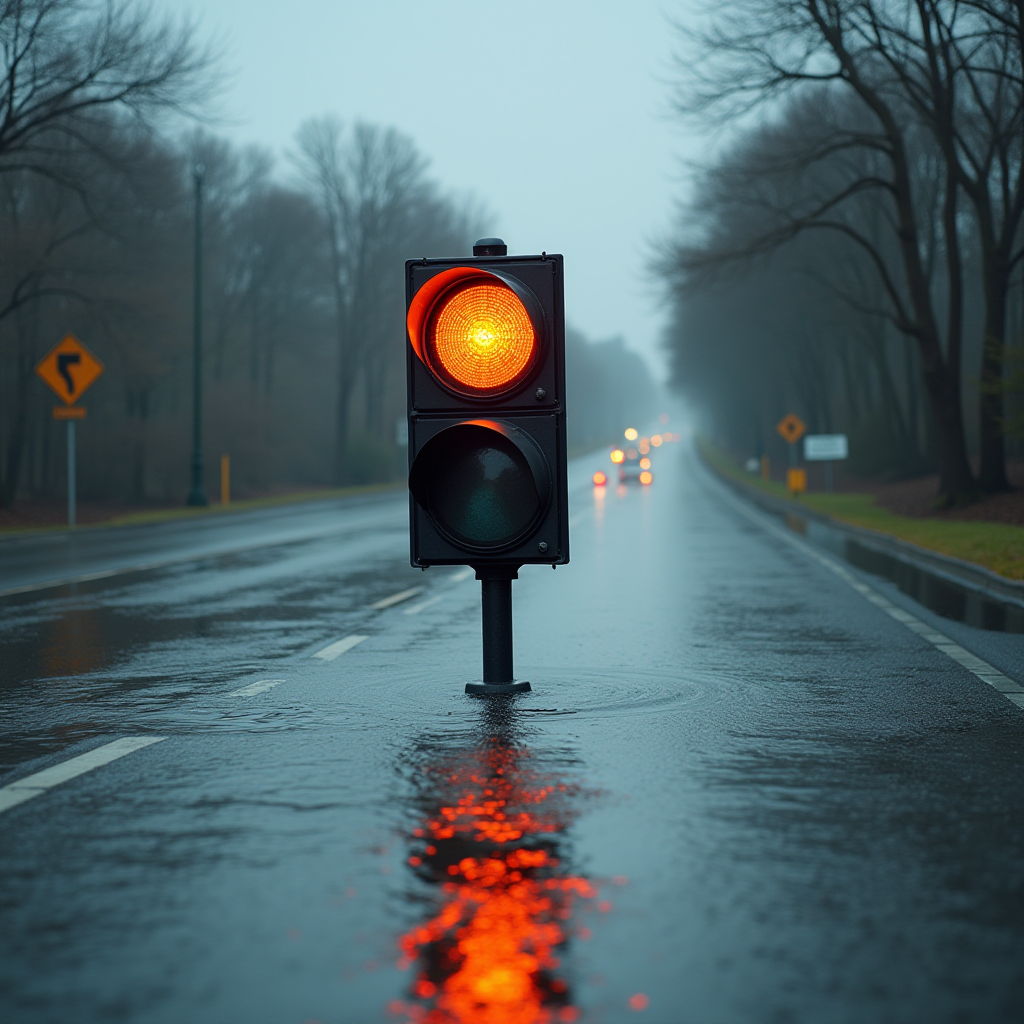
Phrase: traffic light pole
x=197 y=494
x=496 y=608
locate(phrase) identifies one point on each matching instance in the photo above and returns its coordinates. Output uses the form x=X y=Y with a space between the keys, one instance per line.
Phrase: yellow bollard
x=796 y=481
x=766 y=468
x=225 y=480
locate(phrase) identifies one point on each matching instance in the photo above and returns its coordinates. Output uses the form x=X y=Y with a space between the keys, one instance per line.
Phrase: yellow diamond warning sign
x=791 y=427
x=70 y=369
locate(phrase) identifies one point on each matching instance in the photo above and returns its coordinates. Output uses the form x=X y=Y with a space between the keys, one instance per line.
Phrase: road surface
x=242 y=782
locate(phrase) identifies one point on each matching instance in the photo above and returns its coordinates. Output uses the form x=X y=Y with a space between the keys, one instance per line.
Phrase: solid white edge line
x=978 y=667
x=417 y=608
x=260 y=686
x=339 y=647
x=32 y=785
x=402 y=595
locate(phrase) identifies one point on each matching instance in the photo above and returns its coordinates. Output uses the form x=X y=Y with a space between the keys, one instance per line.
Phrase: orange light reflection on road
x=489 y=955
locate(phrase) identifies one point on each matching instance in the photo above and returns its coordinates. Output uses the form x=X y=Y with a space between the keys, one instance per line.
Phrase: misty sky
x=554 y=114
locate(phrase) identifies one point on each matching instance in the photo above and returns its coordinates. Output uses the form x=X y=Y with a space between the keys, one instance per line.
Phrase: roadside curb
x=957 y=570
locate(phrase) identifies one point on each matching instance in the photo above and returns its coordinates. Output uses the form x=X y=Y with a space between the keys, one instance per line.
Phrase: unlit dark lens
x=482 y=489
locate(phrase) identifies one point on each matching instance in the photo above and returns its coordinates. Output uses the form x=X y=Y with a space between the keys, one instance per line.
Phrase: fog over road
x=742 y=789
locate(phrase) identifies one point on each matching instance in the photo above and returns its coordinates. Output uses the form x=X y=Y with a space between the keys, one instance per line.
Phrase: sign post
x=70 y=369
x=826 y=448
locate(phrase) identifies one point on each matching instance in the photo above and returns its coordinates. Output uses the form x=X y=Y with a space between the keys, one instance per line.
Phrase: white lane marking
x=32 y=785
x=260 y=686
x=417 y=608
x=402 y=595
x=332 y=651
x=987 y=673
x=464 y=574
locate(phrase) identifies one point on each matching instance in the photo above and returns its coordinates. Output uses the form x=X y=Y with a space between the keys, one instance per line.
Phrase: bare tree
x=884 y=57
x=369 y=184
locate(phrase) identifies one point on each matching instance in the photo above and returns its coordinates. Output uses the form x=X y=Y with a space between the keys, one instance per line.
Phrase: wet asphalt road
x=739 y=792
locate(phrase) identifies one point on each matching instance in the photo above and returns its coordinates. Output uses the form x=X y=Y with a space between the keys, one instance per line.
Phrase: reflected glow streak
x=488 y=956
x=482 y=337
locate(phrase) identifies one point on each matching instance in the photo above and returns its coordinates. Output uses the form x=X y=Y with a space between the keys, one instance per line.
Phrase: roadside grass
x=163 y=515
x=994 y=546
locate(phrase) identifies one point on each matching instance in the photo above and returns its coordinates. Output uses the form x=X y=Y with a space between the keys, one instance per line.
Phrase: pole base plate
x=482 y=689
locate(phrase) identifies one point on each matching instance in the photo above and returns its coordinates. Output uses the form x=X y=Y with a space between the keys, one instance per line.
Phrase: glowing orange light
x=618 y=455
x=631 y=454
x=645 y=463
x=600 y=479
x=481 y=338
x=491 y=952
x=656 y=440
x=631 y=433
x=638 y=1001
x=644 y=449
x=646 y=477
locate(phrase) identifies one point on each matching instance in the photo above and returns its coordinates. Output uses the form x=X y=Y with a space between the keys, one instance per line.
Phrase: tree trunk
x=991 y=399
x=16 y=442
x=956 y=484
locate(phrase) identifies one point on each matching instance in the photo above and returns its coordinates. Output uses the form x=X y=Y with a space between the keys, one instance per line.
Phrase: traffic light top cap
x=490 y=247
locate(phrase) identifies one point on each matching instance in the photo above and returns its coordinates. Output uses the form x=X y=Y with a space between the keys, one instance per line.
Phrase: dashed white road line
x=339 y=647
x=260 y=686
x=402 y=595
x=987 y=673
x=417 y=608
x=33 y=785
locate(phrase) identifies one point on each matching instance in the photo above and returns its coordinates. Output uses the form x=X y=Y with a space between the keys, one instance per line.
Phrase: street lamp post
x=197 y=495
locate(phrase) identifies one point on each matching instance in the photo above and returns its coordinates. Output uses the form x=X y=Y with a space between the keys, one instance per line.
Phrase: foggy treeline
x=854 y=252
x=303 y=256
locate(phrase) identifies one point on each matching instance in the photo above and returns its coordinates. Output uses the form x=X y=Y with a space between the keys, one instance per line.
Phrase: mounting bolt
x=540 y=394
x=542 y=546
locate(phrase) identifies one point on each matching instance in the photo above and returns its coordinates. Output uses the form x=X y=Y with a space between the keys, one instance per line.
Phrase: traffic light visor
x=478 y=332
x=483 y=482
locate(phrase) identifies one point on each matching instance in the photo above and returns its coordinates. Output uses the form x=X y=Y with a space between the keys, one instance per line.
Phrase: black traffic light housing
x=525 y=424
x=487 y=453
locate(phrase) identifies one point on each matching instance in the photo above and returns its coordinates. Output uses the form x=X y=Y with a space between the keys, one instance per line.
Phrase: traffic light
x=486 y=403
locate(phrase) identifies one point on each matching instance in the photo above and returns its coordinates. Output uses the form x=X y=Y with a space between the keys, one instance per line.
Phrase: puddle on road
x=491 y=863
x=943 y=596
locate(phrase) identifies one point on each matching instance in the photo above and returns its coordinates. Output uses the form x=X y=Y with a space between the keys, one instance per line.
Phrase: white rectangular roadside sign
x=825 y=447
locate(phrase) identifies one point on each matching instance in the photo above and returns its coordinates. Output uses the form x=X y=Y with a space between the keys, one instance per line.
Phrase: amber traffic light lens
x=481 y=339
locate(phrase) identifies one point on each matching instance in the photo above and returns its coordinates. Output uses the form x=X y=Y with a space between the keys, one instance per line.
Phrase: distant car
x=630 y=469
